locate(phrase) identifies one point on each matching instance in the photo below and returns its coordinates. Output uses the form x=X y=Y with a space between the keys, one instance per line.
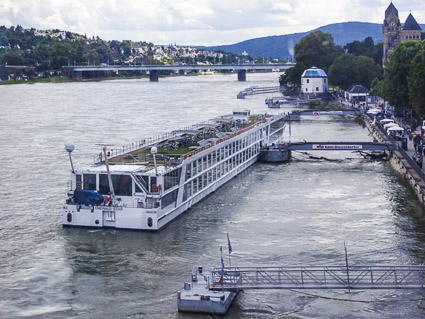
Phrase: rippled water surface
x=299 y=213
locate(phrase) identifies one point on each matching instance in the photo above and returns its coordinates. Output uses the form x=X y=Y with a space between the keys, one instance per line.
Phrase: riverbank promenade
x=401 y=158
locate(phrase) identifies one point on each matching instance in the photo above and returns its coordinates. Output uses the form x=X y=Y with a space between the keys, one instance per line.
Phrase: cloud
x=205 y=22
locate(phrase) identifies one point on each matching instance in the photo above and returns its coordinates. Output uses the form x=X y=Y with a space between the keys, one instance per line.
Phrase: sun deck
x=174 y=147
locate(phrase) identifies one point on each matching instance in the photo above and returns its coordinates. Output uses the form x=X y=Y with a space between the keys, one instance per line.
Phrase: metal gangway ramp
x=259 y=90
x=297 y=114
x=339 y=146
x=314 y=277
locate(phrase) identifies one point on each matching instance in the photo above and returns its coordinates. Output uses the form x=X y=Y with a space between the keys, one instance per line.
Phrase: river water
x=299 y=213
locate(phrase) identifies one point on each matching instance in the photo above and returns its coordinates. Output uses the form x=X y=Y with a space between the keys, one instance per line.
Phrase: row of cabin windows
x=172 y=178
x=220 y=154
x=123 y=184
x=209 y=177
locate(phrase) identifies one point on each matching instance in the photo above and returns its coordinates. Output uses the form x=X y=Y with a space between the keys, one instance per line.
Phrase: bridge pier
x=153 y=75
x=241 y=75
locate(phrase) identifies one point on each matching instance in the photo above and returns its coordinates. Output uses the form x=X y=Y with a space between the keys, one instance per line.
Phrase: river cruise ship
x=149 y=183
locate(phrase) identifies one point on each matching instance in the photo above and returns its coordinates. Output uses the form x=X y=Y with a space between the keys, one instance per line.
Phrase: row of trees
x=356 y=63
x=403 y=84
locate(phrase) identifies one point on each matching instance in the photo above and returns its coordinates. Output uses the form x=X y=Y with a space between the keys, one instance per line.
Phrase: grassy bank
x=38 y=80
x=67 y=79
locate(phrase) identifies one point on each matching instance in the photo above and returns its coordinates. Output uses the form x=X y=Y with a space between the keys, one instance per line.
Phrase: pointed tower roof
x=411 y=23
x=391 y=8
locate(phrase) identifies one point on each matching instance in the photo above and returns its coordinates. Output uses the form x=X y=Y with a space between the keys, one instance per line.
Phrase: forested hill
x=282 y=46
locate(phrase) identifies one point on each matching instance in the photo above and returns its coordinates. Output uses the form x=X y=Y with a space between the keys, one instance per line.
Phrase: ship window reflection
x=122 y=184
x=90 y=181
x=169 y=199
x=78 y=181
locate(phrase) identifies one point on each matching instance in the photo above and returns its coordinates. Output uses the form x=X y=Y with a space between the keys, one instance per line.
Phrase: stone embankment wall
x=399 y=163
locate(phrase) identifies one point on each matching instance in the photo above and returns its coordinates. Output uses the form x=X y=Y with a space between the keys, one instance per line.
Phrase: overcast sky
x=196 y=22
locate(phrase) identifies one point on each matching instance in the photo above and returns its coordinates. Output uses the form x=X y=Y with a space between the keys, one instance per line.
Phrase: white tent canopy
x=395 y=128
x=373 y=111
x=385 y=121
x=390 y=125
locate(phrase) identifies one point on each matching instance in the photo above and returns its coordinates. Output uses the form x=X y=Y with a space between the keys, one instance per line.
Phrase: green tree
x=397 y=71
x=366 y=48
x=293 y=75
x=377 y=87
x=416 y=82
x=349 y=69
x=317 y=49
x=4 y=41
x=378 y=53
x=14 y=57
x=30 y=73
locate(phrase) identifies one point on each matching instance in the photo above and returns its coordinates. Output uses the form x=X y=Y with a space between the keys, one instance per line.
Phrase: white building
x=357 y=93
x=314 y=81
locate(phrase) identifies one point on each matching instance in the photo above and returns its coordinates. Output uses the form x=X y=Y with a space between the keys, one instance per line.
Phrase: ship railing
x=139 y=204
x=201 y=149
x=134 y=146
x=151 y=141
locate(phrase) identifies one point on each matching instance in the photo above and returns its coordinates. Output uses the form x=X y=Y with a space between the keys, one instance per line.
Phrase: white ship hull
x=199 y=176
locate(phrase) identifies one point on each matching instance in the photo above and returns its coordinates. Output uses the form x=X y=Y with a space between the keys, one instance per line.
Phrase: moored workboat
x=149 y=184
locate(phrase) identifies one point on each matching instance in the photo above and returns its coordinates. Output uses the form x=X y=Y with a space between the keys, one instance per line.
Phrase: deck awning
x=223 y=119
x=193 y=132
x=207 y=125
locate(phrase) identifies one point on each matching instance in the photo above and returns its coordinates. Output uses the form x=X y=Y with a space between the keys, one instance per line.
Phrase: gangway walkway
x=338 y=146
x=326 y=277
x=253 y=90
x=214 y=292
x=276 y=102
x=296 y=115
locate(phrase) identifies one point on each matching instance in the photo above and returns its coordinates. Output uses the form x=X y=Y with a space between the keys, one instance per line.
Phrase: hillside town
x=47 y=51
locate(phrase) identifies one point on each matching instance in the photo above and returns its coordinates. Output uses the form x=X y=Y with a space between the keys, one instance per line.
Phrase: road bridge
x=76 y=71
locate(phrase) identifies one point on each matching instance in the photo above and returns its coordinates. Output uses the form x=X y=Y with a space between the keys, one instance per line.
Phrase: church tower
x=391 y=30
x=394 y=33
